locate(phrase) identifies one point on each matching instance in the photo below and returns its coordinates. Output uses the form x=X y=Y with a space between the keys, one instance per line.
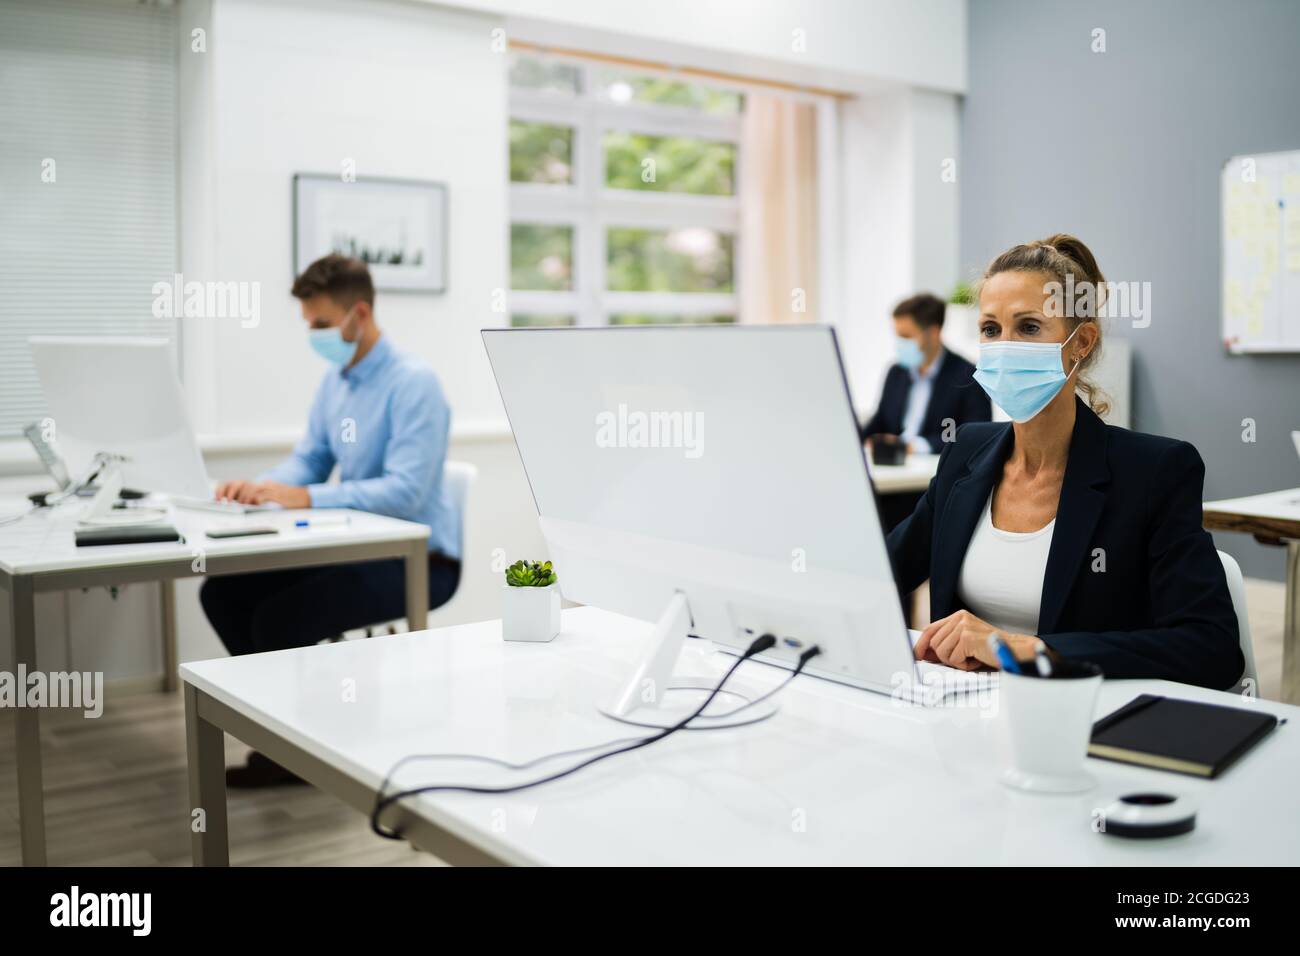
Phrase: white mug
x=1049 y=724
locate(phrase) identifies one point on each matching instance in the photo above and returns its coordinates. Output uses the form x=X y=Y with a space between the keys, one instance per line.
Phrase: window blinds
x=87 y=178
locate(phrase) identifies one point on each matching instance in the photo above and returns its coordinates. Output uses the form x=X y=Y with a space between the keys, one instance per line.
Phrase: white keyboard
x=938 y=685
x=220 y=507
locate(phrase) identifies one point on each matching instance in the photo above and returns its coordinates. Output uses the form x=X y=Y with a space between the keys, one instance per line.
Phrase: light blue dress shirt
x=918 y=400
x=385 y=423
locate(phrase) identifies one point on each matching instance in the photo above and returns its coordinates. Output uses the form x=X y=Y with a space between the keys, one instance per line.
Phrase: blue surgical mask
x=908 y=353
x=330 y=345
x=1022 y=377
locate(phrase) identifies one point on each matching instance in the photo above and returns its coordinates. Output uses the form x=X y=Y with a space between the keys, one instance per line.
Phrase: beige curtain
x=778 y=193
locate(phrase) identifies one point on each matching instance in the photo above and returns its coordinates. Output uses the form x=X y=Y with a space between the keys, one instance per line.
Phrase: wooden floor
x=116 y=793
x=116 y=787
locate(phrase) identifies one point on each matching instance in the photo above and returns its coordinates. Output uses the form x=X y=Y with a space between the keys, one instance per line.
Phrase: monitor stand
x=650 y=697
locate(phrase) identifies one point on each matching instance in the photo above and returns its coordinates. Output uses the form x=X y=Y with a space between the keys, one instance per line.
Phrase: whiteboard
x=1260 y=195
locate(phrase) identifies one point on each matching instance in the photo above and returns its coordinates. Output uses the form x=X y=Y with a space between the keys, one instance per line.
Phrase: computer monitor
x=710 y=479
x=121 y=396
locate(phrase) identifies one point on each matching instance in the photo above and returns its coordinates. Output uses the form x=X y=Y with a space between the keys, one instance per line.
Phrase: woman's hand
x=961 y=640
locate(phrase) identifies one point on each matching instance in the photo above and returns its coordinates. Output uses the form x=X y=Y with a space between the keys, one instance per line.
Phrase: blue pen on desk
x=321 y=521
x=1005 y=658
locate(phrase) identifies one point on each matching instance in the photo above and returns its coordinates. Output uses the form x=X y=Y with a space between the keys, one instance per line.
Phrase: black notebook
x=1184 y=736
x=126 y=534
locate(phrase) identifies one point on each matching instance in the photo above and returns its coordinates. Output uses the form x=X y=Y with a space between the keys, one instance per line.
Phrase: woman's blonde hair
x=1071 y=264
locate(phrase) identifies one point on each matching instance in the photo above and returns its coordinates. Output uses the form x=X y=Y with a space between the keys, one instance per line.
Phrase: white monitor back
x=120 y=395
x=754 y=500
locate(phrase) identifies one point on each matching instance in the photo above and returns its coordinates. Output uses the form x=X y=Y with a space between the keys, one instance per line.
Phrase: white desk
x=914 y=474
x=839 y=776
x=38 y=554
x=1273 y=518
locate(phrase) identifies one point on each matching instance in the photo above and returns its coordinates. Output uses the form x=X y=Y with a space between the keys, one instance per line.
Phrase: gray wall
x=1124 y=149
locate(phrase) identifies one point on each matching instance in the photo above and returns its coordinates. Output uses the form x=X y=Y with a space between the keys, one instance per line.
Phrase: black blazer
x=1131 y=504
x=953 y=394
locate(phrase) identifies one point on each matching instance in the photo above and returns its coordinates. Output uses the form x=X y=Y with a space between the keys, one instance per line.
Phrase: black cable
x=544 y=758
x=382 y=802
x=804 y=658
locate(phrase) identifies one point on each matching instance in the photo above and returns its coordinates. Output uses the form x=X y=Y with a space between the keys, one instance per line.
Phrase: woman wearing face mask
x=1057 y=529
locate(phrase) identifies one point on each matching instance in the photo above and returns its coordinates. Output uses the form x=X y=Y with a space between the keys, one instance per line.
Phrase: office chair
x=457 y=477
x=1237 y=589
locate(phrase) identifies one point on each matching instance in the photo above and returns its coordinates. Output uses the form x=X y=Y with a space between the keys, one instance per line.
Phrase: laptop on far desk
x=121 y=395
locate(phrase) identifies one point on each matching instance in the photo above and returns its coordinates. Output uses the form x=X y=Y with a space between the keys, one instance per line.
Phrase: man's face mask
x=330 y=345
x=908 y=353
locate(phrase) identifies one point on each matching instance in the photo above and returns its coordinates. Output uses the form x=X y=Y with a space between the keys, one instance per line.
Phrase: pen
x=1005 y=658
x=321 y=521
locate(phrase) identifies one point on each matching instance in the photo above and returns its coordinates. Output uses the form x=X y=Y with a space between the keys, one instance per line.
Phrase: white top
x=1001 y=579
x=838 y=776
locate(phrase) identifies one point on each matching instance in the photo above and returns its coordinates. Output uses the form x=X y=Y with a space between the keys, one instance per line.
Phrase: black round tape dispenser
x=1149 y=815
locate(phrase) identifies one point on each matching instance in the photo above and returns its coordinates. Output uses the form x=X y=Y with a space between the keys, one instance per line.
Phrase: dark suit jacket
x=953 y=394
x=1159 y=609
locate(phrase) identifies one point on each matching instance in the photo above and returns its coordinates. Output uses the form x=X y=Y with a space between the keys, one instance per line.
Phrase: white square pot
x=530 y=614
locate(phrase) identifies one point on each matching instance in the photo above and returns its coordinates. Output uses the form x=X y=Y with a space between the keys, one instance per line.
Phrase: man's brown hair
x=925 y=310
x=344 y=279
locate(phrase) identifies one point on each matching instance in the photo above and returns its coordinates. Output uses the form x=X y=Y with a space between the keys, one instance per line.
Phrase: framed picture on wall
x=398 y=227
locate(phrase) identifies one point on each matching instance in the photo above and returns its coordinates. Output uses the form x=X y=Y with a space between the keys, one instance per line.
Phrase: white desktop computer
x=710 y=479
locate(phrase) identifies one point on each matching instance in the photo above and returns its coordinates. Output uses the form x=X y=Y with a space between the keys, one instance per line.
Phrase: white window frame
x=589 y=208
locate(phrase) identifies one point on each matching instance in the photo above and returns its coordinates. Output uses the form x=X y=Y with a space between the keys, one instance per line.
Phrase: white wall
x=400 y=90
x=898 y=223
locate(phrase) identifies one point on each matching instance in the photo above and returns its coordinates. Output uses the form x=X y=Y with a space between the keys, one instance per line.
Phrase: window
x=623 y=196
x=87 y=179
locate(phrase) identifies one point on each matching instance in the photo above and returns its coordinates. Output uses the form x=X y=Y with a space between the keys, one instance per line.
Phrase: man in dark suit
x=928 y=393
x=928 y=385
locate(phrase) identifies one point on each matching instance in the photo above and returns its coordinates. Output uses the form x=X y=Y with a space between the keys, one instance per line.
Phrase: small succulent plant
x=530 y=574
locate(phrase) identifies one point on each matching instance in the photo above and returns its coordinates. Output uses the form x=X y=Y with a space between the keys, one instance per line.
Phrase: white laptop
x=121 y=395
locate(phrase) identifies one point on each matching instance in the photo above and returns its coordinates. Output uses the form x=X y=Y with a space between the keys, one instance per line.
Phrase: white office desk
x=839 y=776
x=39 y=554
x=913 y=474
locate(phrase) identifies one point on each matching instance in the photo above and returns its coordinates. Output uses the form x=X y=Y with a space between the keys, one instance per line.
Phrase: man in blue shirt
x=380 y=416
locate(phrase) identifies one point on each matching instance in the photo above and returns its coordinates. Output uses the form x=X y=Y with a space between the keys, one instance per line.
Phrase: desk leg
x=1291 y=627
x=205 y=745
x=31 y=794
x=167 y=611
x=417 y=587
